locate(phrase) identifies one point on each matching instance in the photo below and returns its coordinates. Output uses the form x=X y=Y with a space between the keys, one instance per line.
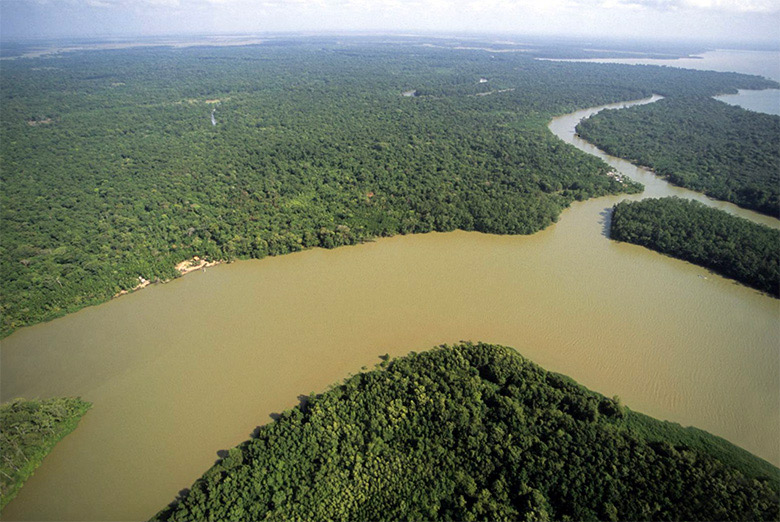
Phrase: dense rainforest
x=112 y=171
x=477 y=432
x=699 y=143
x=686 y=229
x=29 y=430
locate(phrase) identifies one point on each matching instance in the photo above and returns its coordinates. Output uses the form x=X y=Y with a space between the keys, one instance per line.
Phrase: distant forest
x=112 y=170
x=732 y=246
x=699 y=143
x=477 y=432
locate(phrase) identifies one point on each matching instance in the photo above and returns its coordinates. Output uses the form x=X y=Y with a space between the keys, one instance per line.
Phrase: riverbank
x=732 y=155
x=564 y=127
x=31 y=429
x=421 y=414
x=736 y=248
x=196 y=263
x=184 y=268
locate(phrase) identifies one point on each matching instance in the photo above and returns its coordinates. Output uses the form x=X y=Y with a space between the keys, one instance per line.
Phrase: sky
x=749 y=21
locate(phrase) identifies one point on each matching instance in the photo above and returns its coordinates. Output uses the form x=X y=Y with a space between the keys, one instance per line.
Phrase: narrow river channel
x=179 y=371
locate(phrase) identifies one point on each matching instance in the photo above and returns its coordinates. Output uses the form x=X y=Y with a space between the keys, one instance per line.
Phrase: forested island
x=29 y=430
x=699 y=143
x=113 y=172
x=686 y=229
x=477 y=432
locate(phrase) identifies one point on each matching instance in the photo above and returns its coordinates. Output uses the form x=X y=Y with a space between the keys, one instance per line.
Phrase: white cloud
x=734 y=6
x=481 y=6
x=163 y=3
x=740 y=6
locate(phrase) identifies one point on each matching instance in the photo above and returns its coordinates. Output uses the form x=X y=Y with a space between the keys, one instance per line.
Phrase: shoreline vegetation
x=183 y=268
x=476 y=432
x=170 y=186
x=726 y=152
x=731 y=246
x=29 y=430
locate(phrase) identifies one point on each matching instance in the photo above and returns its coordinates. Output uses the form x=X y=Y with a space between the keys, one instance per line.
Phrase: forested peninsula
x=477 y=432
x=699 y=143
x=117 y=165
x=686 y=229
x=29 y=430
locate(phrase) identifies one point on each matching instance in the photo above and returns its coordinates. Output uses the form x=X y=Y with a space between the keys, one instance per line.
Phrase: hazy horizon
x=705 y=22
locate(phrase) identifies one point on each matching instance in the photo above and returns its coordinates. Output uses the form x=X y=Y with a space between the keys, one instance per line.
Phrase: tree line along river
x=179 y=371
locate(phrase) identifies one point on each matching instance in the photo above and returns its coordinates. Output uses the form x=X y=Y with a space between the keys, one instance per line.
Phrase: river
x=760 y=63
x=179 y=371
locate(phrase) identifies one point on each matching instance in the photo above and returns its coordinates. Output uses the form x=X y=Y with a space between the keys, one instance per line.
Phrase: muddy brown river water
x=179 y=371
